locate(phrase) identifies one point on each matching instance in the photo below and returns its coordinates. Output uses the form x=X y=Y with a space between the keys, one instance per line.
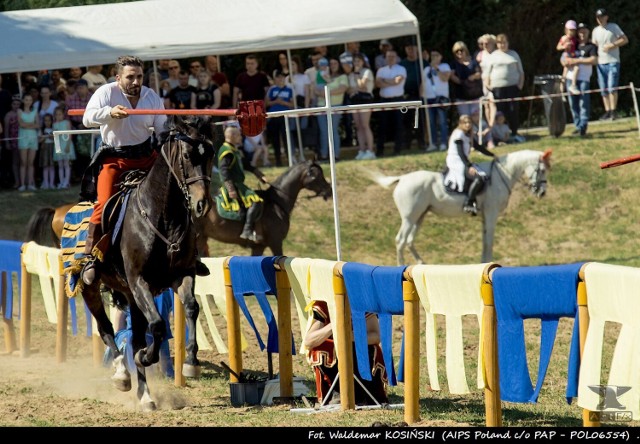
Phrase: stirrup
x=90 y=271
x=470 y=208
x=250 y=235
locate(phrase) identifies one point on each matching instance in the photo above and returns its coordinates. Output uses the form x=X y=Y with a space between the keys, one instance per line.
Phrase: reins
x=183 y=184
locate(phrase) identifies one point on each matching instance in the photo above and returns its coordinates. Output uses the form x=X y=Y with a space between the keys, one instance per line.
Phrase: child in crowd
x=487 y=137
x=46 y=153
x=258 y=149
x=568 y=44
x=500 y=131
x=65 y=151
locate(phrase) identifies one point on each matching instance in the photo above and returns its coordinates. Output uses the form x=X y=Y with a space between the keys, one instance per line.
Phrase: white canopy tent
x=156 y=29
x=153 y=29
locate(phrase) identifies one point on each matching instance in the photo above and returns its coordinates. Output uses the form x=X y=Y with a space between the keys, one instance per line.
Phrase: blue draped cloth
x=10 y=262
x=256 y=275
x=374 y=289
x=547 y=293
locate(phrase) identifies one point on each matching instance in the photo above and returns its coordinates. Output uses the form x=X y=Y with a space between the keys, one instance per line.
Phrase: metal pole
x=332 y=163
x=295 y=106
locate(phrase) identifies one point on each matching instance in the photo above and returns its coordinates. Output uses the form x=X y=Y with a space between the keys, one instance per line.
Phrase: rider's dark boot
x=470 y=201
x=90 y=271
x=201 y=269
x=248 y=231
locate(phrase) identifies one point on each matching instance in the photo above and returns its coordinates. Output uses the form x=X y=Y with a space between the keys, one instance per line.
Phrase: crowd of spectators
x=453 y=80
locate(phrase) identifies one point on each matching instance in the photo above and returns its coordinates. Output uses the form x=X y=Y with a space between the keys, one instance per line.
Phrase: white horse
x=422 y=191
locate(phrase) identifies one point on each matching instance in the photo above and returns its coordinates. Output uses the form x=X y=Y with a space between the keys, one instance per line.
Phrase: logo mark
x=609 y=395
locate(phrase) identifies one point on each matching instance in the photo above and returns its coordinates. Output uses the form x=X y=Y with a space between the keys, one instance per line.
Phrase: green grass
x=588 y=214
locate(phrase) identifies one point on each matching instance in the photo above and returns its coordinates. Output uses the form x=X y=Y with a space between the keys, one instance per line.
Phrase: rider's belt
x=138 y=151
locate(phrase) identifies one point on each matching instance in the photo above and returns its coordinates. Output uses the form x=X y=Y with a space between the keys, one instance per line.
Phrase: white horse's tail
x=381 y=179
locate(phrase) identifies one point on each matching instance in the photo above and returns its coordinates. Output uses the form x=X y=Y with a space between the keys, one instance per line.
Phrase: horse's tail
x=381 y=179
x=39 y=228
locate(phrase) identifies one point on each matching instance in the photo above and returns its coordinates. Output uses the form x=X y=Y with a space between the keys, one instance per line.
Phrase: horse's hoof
x=124 y=385
x=148 y=406
x=191 y=371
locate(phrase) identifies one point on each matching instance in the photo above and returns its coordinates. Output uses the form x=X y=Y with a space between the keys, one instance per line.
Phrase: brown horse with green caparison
x=45 y=226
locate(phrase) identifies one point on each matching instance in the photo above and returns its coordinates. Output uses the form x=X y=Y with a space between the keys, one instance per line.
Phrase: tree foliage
x=533 y=27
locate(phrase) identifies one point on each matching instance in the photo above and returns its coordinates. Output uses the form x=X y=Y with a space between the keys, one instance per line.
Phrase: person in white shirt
x=390 y=79
x=608 y=37
x=437 y=75
x=126 y=143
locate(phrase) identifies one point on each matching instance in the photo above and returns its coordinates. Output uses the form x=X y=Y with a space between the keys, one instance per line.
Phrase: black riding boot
x=90 y=270
x=201 y=269
x=470 y=202
x=248 y=232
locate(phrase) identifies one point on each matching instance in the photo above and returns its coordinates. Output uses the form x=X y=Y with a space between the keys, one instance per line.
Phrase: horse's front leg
x=191 y=366
x=92 y=297
x=145 y=317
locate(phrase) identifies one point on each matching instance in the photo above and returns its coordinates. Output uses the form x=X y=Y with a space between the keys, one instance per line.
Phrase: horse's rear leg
x=405 y=238
x=191 y=366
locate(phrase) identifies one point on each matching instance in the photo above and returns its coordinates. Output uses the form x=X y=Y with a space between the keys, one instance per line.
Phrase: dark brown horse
x=279 y=201
x=156 y=248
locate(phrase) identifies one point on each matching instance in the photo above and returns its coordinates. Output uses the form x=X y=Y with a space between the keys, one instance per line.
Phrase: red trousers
x=112 y=169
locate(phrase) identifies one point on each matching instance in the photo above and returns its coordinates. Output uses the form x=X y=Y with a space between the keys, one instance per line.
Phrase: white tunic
x=455 y=176
x=132 y=130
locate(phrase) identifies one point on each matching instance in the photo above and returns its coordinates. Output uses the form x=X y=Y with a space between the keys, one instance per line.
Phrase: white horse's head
x=537 y=173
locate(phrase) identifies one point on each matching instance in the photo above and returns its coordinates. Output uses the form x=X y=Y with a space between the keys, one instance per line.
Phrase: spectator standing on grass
x=390 y=79
x=28 y=143
x=505 y=79
x=608 y=37
x=586 y=58
x=437 y=75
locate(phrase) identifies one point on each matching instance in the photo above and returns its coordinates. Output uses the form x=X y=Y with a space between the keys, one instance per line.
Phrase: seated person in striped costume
x=322 y=357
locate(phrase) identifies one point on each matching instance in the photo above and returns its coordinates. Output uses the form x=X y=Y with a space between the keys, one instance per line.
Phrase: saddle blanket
x=230 y=208
x=72 y=243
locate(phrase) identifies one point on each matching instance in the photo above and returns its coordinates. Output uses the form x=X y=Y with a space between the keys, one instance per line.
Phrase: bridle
x=183 y=183
x=538 y=180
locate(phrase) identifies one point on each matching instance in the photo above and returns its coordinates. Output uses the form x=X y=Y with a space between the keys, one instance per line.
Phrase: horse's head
x=313 y=179
x=189 y=150
x=537 y=173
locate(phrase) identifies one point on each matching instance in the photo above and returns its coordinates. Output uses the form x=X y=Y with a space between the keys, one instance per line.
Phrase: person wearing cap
x=608 y=37
x=380 y=60
x=586 y=58
x=568 y=44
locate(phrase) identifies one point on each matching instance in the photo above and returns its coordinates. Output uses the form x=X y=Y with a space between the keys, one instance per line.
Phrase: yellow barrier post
x=233 y=325
x=285 y=358
x=493 y=407
x=63 y=318
x=412 y=349
x=345 y=339
x=589 y=418
x=25 y=311
x=9 y=332
x=179 y=343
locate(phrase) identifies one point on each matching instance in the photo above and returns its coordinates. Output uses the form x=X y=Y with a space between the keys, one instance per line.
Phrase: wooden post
x=345 y=339
x=283 y=288
x=583 y=319
x=412 y=349
x=63 y=315
x=233 y=325
x=493 y=407
x=98 y=345
x=179 y=344
x=9 y=332
x=25 y=310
